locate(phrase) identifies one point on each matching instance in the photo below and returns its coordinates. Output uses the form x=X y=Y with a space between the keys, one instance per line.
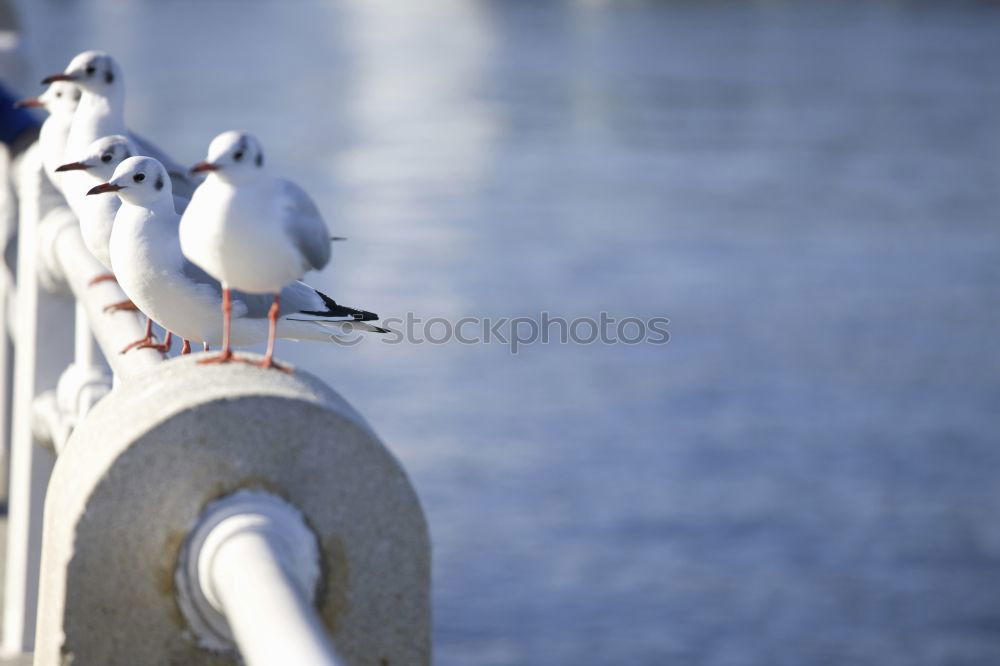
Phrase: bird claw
x=270 y=364
x=141 y=343
x=104 y=277
x=224 y=357
x=120 y=307
x=160 y=347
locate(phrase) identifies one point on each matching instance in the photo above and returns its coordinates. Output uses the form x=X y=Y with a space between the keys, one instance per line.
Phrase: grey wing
x=299 y=298
x=205 y=283
x=181 y=179
x=248 y=306
x=305 y=226
x=180 y=203
x=254 y=306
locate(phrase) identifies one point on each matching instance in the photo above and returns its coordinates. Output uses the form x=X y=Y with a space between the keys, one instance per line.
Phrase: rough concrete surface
x=136 y=474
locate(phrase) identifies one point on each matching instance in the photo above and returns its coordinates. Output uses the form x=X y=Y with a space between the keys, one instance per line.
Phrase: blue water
x=808 y=472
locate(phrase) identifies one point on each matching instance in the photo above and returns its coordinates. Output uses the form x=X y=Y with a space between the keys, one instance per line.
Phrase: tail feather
x=344 y=326
x=371 y=328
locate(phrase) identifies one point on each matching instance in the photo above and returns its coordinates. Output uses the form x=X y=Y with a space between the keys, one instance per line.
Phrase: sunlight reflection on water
x=806 y=474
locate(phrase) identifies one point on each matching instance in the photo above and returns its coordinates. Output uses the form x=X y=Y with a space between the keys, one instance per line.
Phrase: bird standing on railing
x=154 y=273
x=97 y=215
x=60 y=100
x=250 y=230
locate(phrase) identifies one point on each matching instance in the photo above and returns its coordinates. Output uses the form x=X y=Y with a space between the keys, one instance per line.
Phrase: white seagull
x=97 y=214
x=250 y=230
x=182 y=298
x=60 y=100
x=101 y=112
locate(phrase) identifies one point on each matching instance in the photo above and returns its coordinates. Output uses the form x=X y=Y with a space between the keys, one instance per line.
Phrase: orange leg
x=186 y=347
x=272 y=333
x=163 y=347
x=226 y=355
x=103 y=277
x=144 y=340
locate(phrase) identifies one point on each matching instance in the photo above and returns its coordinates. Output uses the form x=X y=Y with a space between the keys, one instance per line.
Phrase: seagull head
x=141 y=181
x=59 y=99
x=94 y=71
x=102 y=156
x=233 y=156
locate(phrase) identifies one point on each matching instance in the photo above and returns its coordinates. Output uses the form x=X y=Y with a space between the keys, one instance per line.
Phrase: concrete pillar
x=138 y=472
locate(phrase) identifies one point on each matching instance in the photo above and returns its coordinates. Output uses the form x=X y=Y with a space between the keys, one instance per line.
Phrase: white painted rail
x=255 y=536
x=316 y=554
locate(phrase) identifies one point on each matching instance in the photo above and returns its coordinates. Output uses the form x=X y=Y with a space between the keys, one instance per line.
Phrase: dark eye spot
x=109 y=77
x=238 y=155
x=90 y=70
x=58 y=94
x=159 y=183
x=260 y=159
x=139 y=177
x=106 y=157
x=78 y=96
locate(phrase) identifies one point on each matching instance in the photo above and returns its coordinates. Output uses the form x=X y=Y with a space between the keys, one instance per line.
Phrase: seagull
x=153 y=272
x=97 y=215
x=60 y=100
x=250 y=230
x=101 y=112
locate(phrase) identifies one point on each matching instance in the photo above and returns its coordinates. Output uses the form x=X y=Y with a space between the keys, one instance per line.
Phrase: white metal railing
x=58 y=373
x=254 y=536
x=251 y=573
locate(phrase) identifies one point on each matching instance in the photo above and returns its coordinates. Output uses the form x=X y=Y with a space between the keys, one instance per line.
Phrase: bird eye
x=58 y=94
x=106 y=157
x=139 y=177
x=238 y=155
x=90 y=69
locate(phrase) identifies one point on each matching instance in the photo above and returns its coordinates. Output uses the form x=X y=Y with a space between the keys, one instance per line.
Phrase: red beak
x=28 y=103
x=73 y=166
x=104 y=187
x=57 y=77
x=203 y=166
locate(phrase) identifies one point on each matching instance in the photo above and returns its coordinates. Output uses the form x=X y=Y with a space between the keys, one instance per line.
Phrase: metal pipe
x=43 y=325
x=85 y=350
x=50 y=248
x=248 y=579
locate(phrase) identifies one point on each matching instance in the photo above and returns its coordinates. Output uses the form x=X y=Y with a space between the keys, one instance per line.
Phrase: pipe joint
x=284 y=541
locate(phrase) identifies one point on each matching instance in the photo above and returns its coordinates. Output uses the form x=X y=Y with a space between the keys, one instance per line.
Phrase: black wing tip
x=335 y=310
